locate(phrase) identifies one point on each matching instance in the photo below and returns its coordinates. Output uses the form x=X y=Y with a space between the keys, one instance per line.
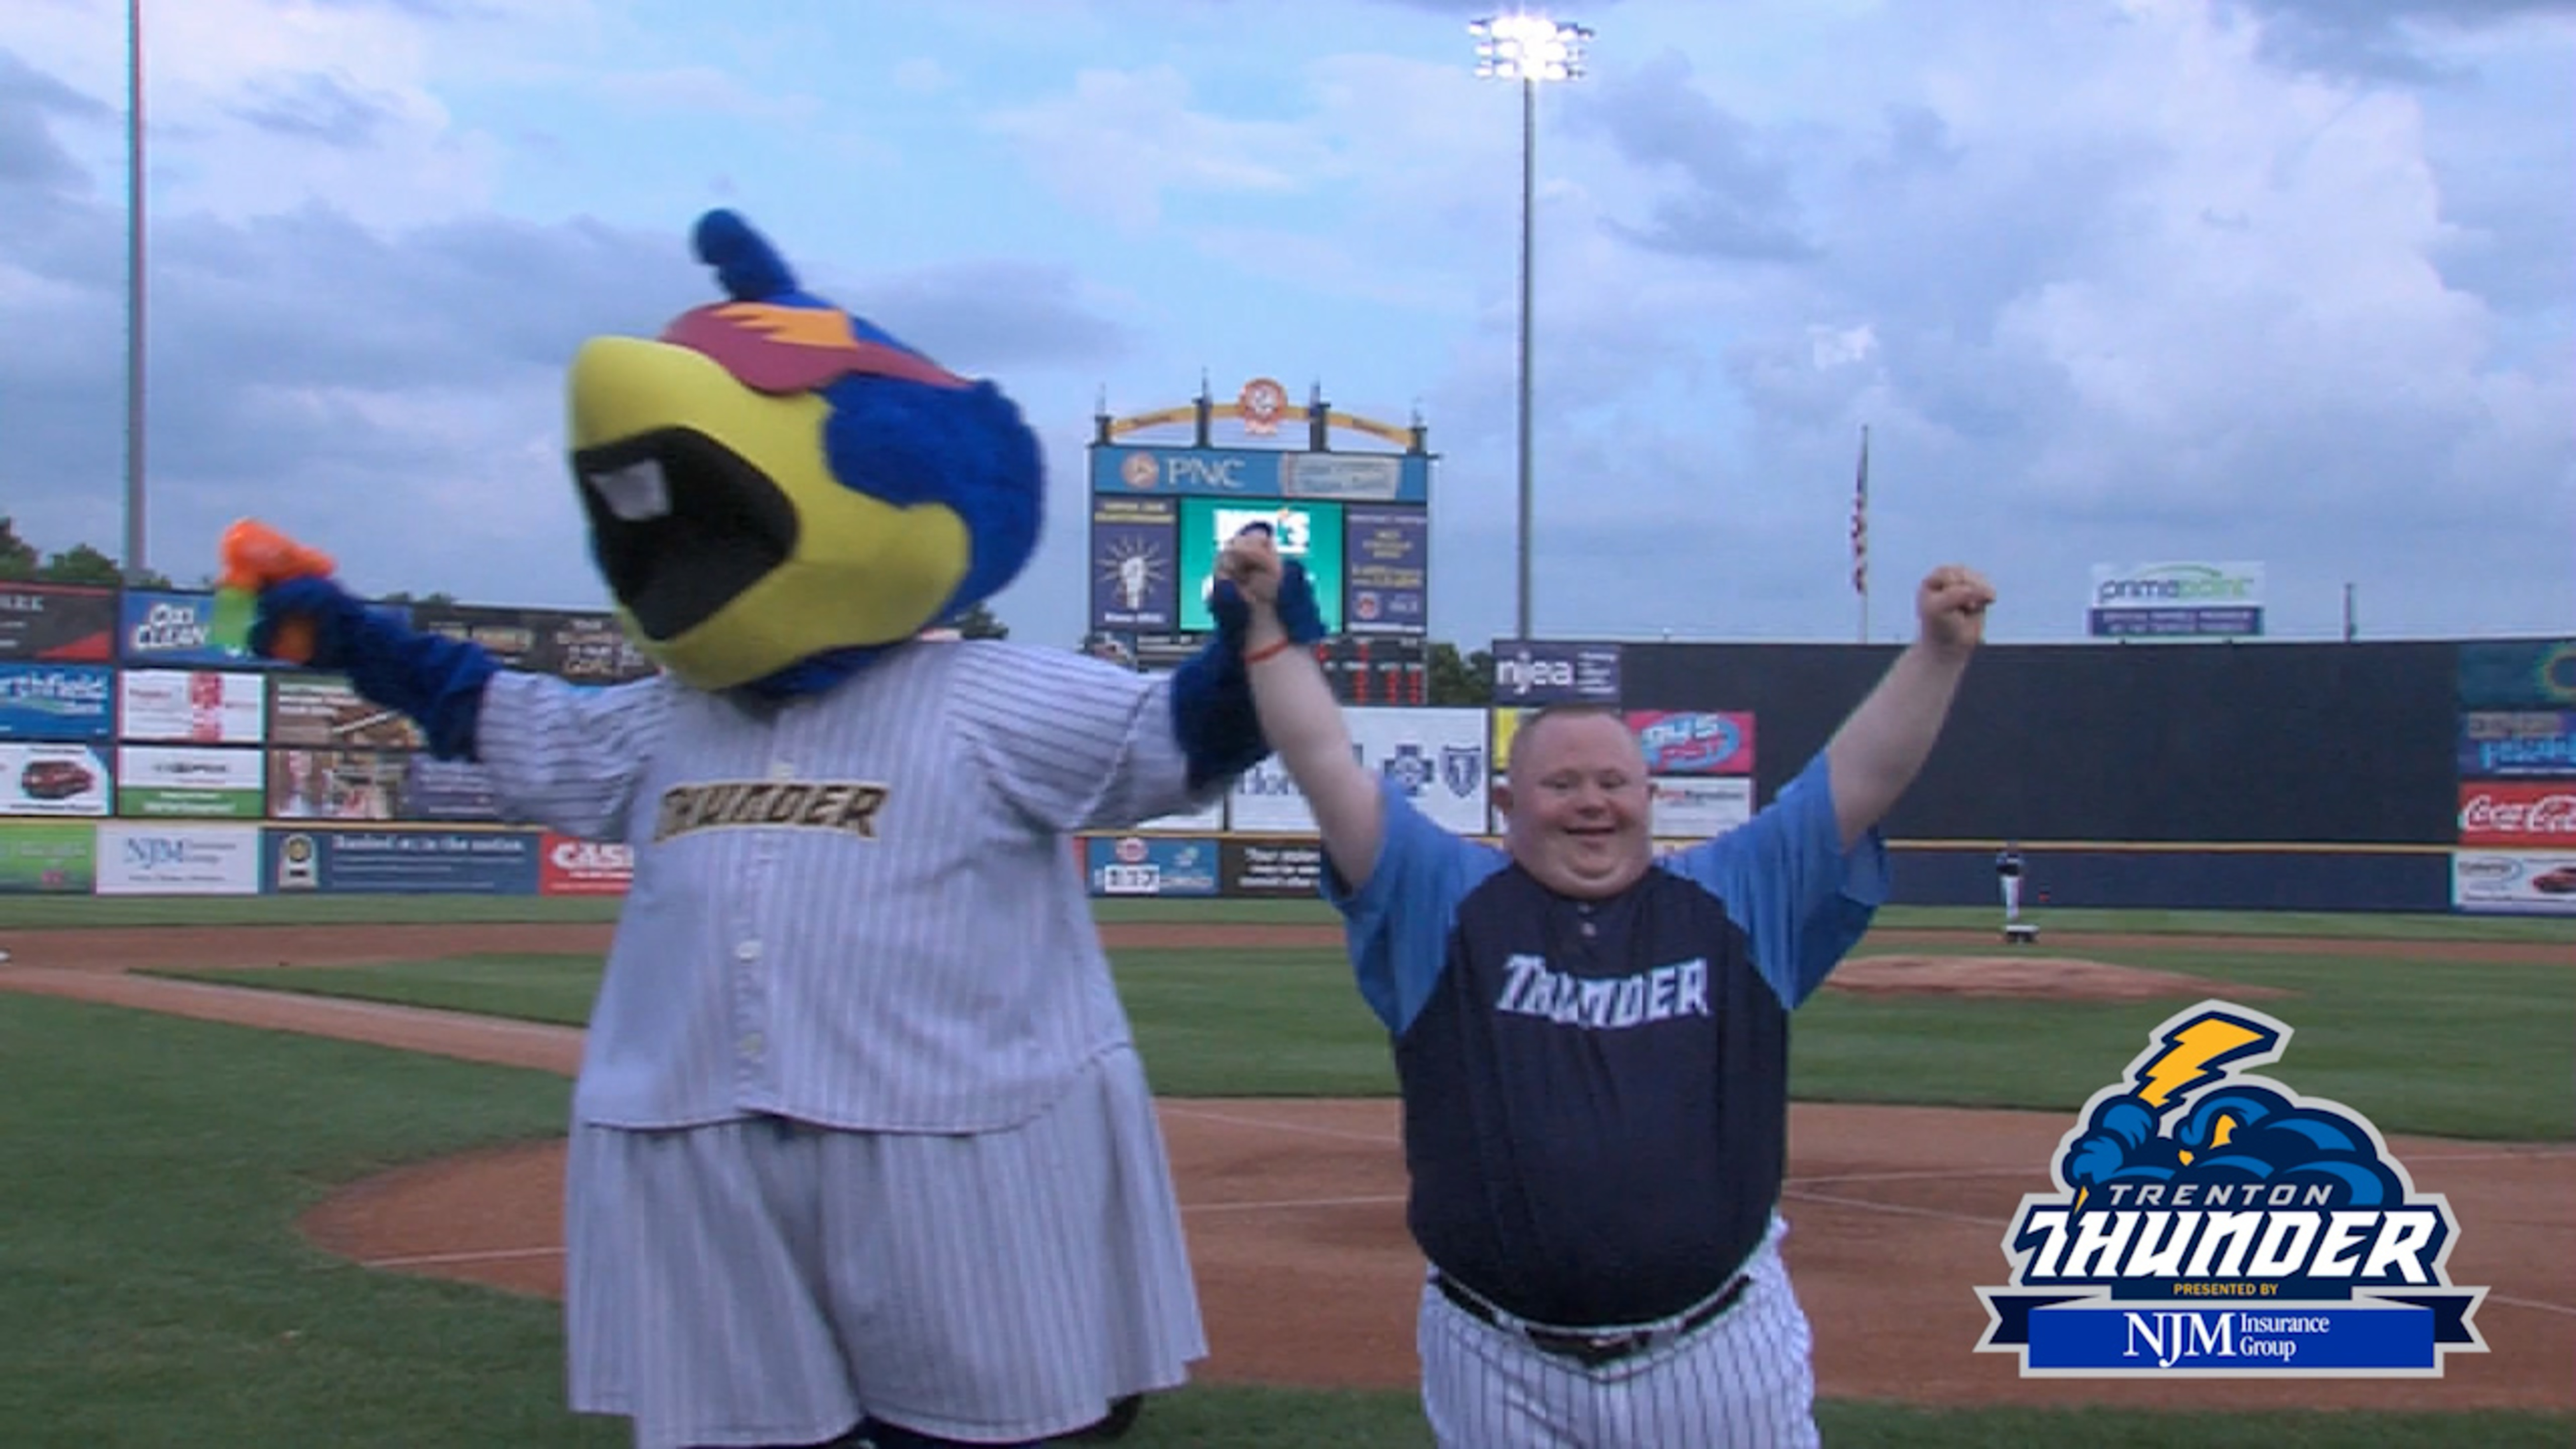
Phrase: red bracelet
x=1268 y=651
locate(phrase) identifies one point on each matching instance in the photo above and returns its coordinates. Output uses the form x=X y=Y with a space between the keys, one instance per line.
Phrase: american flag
x=1860 y=521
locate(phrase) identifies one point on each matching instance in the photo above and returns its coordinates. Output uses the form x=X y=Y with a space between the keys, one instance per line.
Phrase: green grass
x=64 y=912
x=157 y=1295
x=2441 y=1050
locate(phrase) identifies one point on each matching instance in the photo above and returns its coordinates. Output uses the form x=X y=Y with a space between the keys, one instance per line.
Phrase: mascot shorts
x=769 y=1282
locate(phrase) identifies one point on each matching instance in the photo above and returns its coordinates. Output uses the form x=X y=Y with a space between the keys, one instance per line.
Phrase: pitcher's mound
x=2047 y=978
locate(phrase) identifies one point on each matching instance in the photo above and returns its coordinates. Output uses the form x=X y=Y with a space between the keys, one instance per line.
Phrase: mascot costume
x=861 y=1149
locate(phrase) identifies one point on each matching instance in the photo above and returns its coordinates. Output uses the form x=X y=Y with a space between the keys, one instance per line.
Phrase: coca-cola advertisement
x=2518 y=813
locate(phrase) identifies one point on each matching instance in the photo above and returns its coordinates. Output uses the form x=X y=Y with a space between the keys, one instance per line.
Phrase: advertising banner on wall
x=1160 y=865
x=1690 y=808
x=335 y=784
x=2176 y=600
x=1265 y=801
x=164 y=781
x=178 y=860
x=2518 y=674
x=2537 y=882
x=59 y=623
x=2497 y=743
x=448 y=790
x=1436 y=756
x=54 y=780
x=570 y=867
x=57 y=702
x=167 y=630
x=1553 y=672
x=1207 y=820
x=2525 y=813
x=191 y=706
x=49 y=857
x=1135 y=565
x=1386 y=561
x=321 y=711
x=1679 y=742
x=1276 y=869
x=404 y=862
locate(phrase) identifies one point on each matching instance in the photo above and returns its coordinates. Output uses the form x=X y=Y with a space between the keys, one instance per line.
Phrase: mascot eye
x=635 y=492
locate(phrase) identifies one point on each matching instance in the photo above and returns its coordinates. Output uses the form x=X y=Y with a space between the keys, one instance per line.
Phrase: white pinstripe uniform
x=859 y=1127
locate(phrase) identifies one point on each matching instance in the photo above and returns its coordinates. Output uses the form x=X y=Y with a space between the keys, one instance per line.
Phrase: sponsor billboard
x=58 y=623
x=2176 y=600
x=186 y=781
x=1309 y=533
x=2518 y=742
x=1437 y=757
x=589 y=649
x=335 y=784
x=2518 y=813
x=1284 y=869
x=2521 y=881
x=511 y=635
x=178 y=860
x=453 y=790
x=48 y=857
x=2518 y=674
x=1386 y=560
x=321 y=711
x=54 y=780
x=1135 y=565
x=404 y=862
x=1264 y=801
x=165 y=629
x=1262 y=473
x=57 y=702
x=1695 y=807
x=1160 y=865
x=1532 y=671
x=191 y=706
x=1208 y=819
x=1686 y=742
x=570 y=867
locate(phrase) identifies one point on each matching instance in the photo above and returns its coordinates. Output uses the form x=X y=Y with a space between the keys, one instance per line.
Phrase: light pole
x=1528 y=48
x=134 y=291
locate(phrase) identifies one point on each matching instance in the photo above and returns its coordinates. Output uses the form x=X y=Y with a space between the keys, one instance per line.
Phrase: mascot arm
x=1212 y=713
x=437 y=681
x=1100 y=755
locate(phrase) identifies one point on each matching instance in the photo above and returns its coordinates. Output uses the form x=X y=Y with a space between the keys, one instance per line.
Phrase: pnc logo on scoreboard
x=1139 y=471
x=2212 y=1223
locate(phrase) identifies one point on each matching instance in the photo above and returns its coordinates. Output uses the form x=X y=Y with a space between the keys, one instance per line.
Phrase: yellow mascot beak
x=732 y=549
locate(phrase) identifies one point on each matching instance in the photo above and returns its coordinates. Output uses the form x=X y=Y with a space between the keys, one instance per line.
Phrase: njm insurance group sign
x=2176 y=601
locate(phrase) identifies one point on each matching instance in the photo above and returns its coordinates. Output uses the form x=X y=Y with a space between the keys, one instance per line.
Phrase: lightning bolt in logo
x=2193 y=1053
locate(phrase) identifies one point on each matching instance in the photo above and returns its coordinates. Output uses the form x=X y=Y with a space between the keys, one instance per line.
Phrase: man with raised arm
x=1592 y=1041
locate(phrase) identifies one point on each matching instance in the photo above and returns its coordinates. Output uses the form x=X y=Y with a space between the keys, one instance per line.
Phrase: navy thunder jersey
x=1595 y=1092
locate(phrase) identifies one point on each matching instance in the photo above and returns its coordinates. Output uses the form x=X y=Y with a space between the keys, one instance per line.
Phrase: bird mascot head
x=777 y=490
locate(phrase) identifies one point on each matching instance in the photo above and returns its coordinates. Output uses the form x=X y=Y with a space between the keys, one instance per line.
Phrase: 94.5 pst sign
x=2209 y=1223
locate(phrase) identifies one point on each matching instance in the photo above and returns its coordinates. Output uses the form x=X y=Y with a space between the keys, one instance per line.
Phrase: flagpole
x=1860 y=534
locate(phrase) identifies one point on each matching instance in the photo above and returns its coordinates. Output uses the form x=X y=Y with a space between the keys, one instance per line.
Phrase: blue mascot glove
x=435 y=680
x=1212 y=711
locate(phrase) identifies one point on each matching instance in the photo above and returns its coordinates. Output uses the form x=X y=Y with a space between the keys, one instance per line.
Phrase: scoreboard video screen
x=1310 y=533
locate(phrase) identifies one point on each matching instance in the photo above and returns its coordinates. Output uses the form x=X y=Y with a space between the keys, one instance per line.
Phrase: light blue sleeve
x=1799 y=897
x=1399 y=922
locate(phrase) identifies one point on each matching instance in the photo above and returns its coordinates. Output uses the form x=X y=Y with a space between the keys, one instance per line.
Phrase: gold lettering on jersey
x=843 y=805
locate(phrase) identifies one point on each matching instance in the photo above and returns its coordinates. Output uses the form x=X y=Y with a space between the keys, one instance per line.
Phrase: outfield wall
x=139 y=758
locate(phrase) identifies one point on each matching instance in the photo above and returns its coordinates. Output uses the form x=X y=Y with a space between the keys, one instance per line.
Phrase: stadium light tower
x=1528 y=48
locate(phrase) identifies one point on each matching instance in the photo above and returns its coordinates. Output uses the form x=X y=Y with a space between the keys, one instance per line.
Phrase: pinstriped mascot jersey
x=803 y=936
x=1595 y=1092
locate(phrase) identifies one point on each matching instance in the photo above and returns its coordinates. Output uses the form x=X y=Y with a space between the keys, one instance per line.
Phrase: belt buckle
x=1592 y=1350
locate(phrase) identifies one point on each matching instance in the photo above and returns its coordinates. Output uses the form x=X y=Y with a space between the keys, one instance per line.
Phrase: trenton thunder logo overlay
x=2212 y=1224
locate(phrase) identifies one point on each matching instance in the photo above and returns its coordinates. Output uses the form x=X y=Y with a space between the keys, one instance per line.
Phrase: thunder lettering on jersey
x=1595 y=1093
x=842 y=805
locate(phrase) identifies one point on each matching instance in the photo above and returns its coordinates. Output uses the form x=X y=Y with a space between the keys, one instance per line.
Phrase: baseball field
x=285 y=1173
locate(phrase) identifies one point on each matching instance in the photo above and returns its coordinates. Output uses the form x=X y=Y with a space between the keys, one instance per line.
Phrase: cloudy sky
x=2108 y=281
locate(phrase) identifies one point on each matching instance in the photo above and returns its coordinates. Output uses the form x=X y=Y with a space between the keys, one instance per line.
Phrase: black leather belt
x=1592 y=1347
